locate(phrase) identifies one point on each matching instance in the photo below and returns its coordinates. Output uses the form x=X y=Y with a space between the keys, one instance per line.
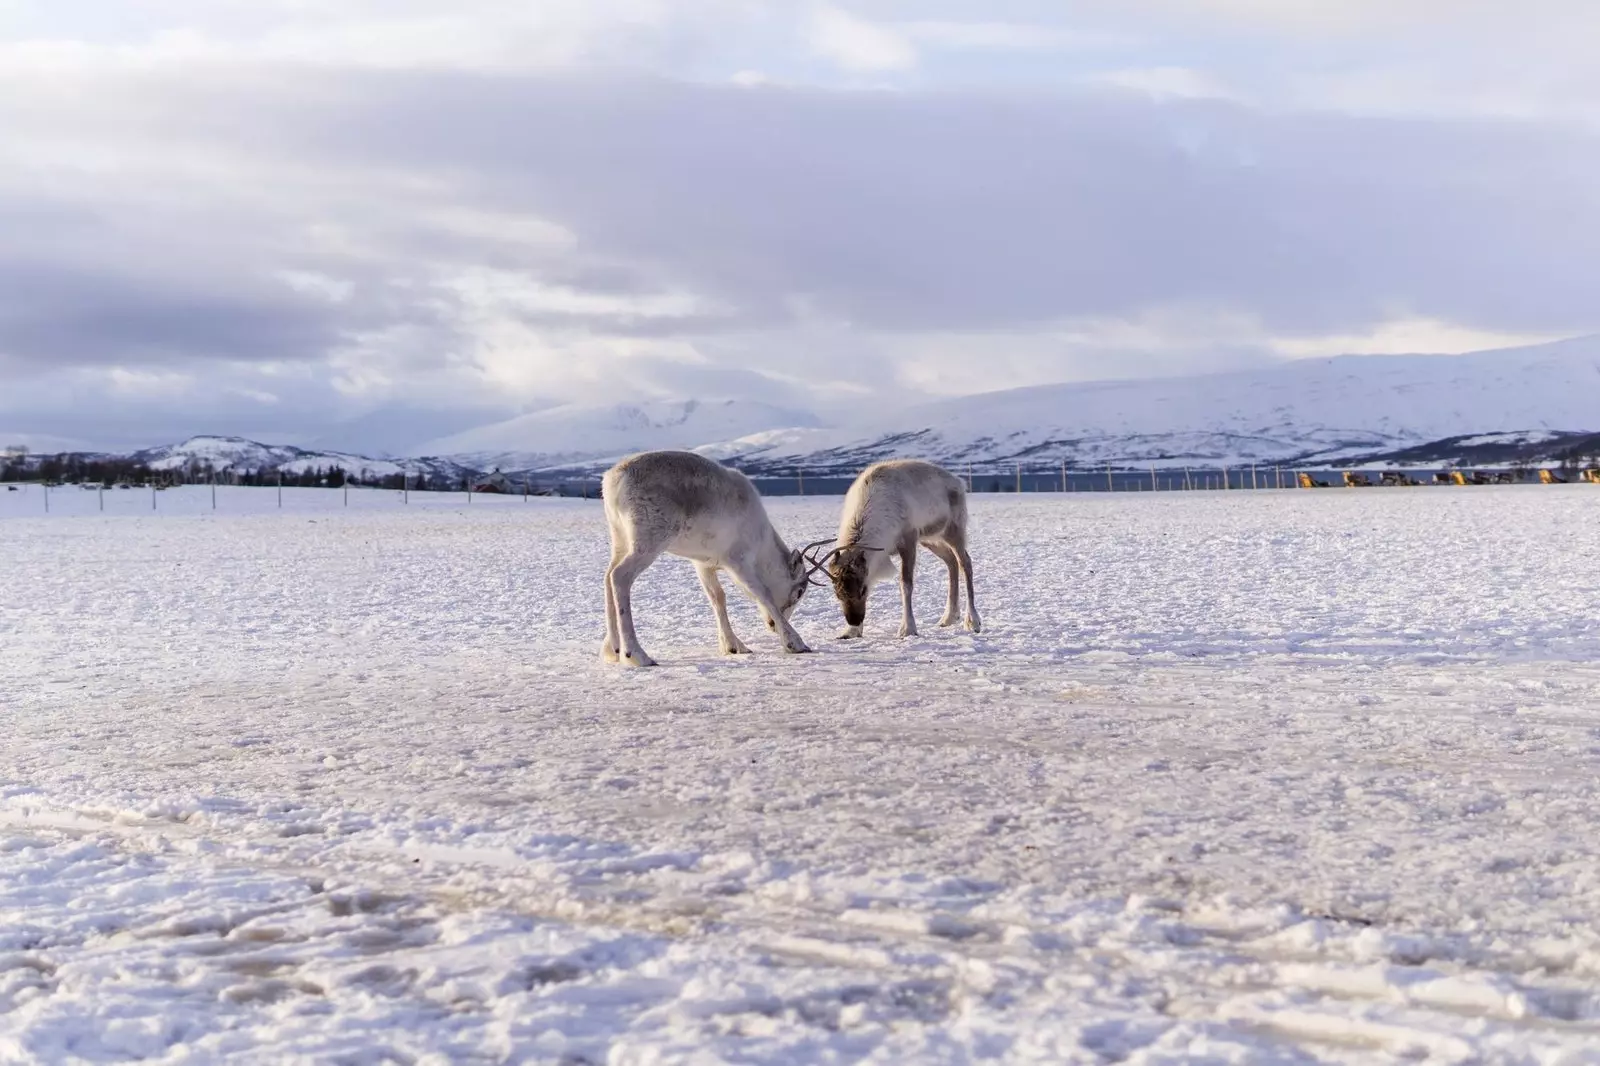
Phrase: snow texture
x=1228 y=777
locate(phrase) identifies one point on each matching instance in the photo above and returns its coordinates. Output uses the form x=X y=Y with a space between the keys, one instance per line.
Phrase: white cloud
x=1409 y=336
x=1325 y=19
x=479 y=35
x=1008 y=36
x=858 y=45
x=138 y=381
x=1167 y=82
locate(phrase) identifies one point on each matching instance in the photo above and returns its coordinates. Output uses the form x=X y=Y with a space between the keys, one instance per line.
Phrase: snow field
x=1231 y=777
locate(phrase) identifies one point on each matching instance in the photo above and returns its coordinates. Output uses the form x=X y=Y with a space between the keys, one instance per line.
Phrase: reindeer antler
x=817 y=563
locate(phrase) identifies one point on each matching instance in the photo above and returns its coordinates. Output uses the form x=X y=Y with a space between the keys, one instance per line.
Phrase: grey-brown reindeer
x=891 y=509
x=687 y=505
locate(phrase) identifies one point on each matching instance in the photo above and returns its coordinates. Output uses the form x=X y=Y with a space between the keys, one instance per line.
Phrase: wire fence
x=218 y=494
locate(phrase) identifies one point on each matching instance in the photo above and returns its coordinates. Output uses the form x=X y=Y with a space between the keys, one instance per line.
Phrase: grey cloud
x=784 y=209
x=935 y=211
x=926 y=212
x=76 y=317
x=140 y=282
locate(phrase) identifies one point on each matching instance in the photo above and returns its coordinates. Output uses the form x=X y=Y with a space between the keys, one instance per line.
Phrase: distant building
x=493 y=482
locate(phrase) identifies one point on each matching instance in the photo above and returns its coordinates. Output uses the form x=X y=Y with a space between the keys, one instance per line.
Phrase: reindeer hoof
x=973 y=624
x=797 y=649
x=735 y=649
x=908 y=631
x=948 y=620
x=609 y=654
x=637 y=659
x=853 y=633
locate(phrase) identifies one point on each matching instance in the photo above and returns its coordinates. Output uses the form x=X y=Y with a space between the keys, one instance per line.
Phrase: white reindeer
x=891 y=508
x=695 y=507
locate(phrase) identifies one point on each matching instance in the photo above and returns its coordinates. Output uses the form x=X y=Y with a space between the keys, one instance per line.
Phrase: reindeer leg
x=792 y=640
x=621 y=579
x=730 y=644
x=908 y=564
x=952 y=609
x=611 y=650
x=956 y=537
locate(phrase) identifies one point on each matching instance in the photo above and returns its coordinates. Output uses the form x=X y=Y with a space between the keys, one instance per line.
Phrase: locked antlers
x=818 y=562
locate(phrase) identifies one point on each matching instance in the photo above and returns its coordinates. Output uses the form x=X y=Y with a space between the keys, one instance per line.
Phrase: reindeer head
x=849 y=573
x=799 y=579
x=847 y=569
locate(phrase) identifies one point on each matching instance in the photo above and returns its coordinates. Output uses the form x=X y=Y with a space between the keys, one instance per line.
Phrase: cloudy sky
x=272 y=217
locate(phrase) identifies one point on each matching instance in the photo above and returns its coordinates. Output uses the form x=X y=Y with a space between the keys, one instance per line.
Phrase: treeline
x=78 y=469
x=1582 y=454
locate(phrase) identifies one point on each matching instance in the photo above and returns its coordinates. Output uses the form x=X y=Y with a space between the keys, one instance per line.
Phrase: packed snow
x=1230 y=777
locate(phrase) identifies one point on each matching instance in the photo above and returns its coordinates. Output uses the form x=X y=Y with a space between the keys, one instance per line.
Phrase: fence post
x=1153 y=486
x=47 y=497
x=1109 y=486
x=347 y=490
x=101 y=493
x=213 y=490
x=800 y=476
x=280 y=488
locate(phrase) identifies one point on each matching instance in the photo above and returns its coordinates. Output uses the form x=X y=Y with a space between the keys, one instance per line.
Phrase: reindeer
x=694 y=507
x=891 y=508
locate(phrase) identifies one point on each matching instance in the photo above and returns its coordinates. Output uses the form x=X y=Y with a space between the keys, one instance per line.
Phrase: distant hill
x=574 y=435
x=230 y=454
x=1528 y=405
x=1301 y=412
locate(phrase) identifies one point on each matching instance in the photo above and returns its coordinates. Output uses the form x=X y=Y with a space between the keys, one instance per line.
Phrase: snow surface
x=1229 y=777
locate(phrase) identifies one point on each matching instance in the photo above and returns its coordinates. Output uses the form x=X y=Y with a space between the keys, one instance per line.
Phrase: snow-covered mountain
x=574 y=435
x=236 y=454
x=1510 y=405
x=1307 y=410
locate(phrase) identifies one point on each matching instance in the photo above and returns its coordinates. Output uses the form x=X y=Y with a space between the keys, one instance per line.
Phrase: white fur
x=891 y=509
x=688 y=505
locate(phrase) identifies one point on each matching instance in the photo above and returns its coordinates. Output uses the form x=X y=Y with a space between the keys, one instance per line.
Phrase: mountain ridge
x=1294 y=412
x=1528 y=404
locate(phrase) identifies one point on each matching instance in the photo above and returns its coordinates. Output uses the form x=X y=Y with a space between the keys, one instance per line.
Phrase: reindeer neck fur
x=769 y=563
x=873 y=520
